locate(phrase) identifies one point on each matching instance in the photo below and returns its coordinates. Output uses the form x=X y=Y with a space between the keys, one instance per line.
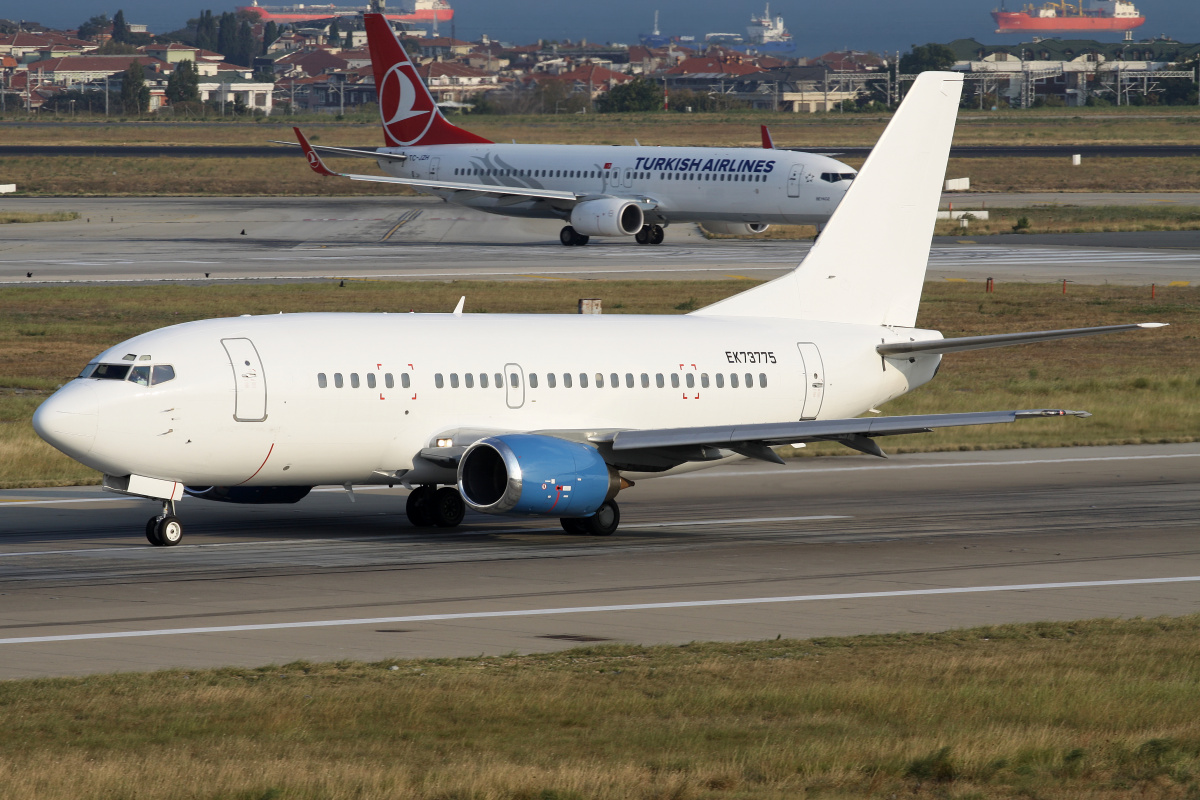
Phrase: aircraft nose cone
x=67 y=420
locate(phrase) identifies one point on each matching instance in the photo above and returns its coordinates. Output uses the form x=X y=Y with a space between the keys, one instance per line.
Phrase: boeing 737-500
x=597 y=190
x=538 y=415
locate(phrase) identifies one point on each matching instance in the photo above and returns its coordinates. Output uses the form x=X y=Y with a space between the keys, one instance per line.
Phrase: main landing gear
x=603 y=523
x=165 y=530
x=428 y=506
x=572 y=238
x=650 y=234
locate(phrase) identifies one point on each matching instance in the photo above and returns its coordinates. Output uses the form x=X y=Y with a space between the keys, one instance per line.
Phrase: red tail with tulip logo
x=410 y=116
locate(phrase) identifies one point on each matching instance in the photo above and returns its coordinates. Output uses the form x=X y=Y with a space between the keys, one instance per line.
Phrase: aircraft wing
x=352 y=152
x=755 y=441
x=475 y=189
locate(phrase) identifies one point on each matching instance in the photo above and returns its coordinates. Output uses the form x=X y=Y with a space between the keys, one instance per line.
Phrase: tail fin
x=410 y=116
x=868 y=265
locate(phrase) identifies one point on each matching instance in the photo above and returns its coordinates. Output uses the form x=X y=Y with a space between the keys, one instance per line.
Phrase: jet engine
x=607 y=216
x=526 y=473
x=735 y=228
x=253 y=495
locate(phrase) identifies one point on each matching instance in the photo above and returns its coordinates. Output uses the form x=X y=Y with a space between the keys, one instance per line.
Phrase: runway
x=818 y=547
x=123 y=240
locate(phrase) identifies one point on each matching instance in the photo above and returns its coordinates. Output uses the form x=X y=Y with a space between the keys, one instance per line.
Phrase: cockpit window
x=162 y=373
x=835 y=177
x=88 y=370
x=111 y=372
x=140 y=376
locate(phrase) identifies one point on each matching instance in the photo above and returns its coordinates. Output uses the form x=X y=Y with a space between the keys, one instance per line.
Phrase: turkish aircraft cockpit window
x=88 y=370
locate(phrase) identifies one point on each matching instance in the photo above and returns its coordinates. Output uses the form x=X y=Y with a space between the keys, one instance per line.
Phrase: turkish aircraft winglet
x=545 y=416
x=596 y=190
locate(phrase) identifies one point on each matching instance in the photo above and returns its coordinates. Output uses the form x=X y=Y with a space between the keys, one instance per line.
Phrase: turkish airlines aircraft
x=597 y=190
x=541 y=415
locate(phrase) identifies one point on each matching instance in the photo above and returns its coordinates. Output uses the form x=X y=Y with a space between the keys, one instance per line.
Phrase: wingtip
x=1153 y=324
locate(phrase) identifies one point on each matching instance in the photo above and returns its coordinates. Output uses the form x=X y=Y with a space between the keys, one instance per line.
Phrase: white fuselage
x=247 y=406
x=675 y=184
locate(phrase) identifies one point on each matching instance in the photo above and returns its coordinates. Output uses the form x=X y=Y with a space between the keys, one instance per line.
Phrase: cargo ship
x=427 y=11
x=1063 y=17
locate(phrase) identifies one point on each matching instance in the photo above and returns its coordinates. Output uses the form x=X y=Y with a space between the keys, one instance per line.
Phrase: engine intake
x=609 y=216
x=250 y=495
x=736 y=228
x=527 y=473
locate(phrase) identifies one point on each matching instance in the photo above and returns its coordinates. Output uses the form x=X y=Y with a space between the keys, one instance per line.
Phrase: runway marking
x=542 y=612
x=1022 y=463
x=57 y=502
x=735 y=521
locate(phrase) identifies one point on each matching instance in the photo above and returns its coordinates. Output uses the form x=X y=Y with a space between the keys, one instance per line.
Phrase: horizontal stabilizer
x=965 y=343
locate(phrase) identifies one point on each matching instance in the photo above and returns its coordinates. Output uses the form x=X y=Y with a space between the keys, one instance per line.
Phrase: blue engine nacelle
x=249 y=495
x=525 y=473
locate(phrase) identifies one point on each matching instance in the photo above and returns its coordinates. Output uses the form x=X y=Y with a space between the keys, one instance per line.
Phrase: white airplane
x=541 y=415
x=598 y=190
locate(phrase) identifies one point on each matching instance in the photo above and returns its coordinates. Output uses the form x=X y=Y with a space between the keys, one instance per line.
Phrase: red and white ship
x=1063 y=17
x=427 y=11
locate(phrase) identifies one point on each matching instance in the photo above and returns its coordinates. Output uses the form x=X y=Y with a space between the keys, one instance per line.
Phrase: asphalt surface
x=232 y=239
x=818 y=547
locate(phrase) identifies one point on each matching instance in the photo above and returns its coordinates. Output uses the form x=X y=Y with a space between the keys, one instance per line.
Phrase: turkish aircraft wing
x=474 y=189
x=352 y=152
x=756 y=440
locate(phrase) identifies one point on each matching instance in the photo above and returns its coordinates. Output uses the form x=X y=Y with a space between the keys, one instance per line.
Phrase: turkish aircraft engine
x=607 y=216
x=524 y=473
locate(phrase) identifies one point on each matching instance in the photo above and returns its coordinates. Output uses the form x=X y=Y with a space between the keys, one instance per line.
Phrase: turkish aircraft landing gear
x=429 y=505
x=165 y=530
x=572 y=238
x=603 y=523
x=650 y=234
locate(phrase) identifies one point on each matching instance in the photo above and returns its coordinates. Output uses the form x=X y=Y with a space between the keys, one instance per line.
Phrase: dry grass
x=1173 y=125
x=1101 y=709
x=11 y=217
x=1141 y=386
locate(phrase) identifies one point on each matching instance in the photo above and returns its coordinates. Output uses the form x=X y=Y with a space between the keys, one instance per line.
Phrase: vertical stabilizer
x=410 y=116
x=868 y=265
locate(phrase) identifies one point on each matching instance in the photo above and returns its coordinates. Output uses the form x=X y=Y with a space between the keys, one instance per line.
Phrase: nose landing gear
x=165 y=530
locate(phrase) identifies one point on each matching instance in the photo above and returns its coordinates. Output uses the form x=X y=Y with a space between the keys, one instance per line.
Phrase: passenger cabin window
x=566 y=380
x=599 y=380
x=514 y=380
x=483 y=380
x=438 y=381
x=703 y=380
x=469 y=380
x=690 y=380
x=762 y=380
x=674 y=380
x=733 y=381
x=720 y=380
x=613 y=381
x=533 y=380
x=658 y=380
x=628 y=380
x=322 y=381
x=749 y=381
x=499 y=381
x=337 y=380
x=550 y=379
x=370 y=380
x=453 y=380
x=388 y=381
x=353 y=380
x=583 y=380
x=645 y=381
